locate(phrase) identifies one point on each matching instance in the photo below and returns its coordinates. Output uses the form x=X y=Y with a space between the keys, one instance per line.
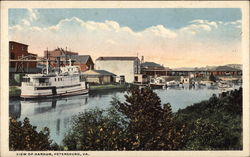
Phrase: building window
x=55 y=79
x=12 y=55
x=136 y=78
x=24 y=48
x=11 y=47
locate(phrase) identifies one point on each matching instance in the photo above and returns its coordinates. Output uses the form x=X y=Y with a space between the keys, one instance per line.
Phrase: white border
x=244 y=5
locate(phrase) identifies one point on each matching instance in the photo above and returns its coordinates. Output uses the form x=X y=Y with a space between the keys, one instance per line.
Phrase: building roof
x=104 y=72
x=17 y=43
x=150 y=64
x=98 y=72
x=81 y=58
x=77 y=58
x=226 y=68
x=117 y=58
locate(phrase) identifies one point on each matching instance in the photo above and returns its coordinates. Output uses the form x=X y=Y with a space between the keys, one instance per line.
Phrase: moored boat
x=224 y=85
x=64 y=81
x=172 y=83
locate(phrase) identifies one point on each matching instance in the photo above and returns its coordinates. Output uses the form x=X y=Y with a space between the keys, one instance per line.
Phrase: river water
x=56 y=113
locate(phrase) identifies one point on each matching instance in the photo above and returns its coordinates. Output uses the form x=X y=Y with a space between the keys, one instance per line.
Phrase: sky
x=174 y=37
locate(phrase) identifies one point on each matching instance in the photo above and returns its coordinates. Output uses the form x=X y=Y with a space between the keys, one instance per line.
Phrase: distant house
x=153 y=69
x=85 y=62
x=124 y=68
x=226 y=71
x=99 y=76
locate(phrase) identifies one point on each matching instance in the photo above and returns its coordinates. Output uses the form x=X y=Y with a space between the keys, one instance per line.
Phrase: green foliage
x=23 y=136
x=215 y=124
x=143 y=123
x=151 y=126
x=140 y=123
x=96 y=130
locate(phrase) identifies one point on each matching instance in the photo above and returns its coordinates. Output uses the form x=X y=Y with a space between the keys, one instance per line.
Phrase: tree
x=23 y=136
x=96 y=130
x=151 y=125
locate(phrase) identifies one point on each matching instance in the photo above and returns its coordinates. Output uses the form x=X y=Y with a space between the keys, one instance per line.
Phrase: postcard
x=127 y=78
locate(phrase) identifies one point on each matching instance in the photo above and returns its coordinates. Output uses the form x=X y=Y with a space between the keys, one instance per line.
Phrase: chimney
x=142 y=59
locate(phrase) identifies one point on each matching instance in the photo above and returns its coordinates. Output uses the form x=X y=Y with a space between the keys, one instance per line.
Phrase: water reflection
x=34 y=107
x=56 y=113
x=15 y=109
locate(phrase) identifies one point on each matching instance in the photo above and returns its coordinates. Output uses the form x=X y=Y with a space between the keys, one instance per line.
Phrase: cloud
x=199 y=26
x=32 y=13
x=157 y=43
x=160 y=30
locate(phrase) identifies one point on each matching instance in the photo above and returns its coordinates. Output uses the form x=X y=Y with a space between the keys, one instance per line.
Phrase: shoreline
x=15 y=91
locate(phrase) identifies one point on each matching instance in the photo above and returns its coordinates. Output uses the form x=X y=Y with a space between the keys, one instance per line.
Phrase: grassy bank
x=214 y=124
x=14 y=91
x=107 y=86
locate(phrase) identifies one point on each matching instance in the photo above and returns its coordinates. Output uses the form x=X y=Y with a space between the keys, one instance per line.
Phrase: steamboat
x=61 y=81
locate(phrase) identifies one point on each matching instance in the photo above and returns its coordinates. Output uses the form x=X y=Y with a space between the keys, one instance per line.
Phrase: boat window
x=43 y=80
x=26 y=80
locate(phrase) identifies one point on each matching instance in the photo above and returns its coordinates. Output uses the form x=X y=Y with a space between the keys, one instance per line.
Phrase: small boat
x=225 y=85
x=64 y=81
x=157 y=83
x=172 y=83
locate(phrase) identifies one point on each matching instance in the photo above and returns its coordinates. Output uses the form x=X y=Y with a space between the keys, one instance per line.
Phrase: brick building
x=21 y=62
x=153 y=69
x=18 y=52
x=52 y=55
x=85 y=62
x=226 y=71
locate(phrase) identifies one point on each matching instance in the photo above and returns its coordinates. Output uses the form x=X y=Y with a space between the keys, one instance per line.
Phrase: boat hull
x=71 y=93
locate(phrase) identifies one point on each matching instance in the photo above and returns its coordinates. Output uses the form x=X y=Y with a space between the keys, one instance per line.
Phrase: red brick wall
x=17 y=51
x=83 y=67
x=55 y=53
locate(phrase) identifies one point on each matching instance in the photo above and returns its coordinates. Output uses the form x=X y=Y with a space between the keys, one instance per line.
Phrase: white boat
x=172 y=83
x=158 y=82
x=224 y=85
x=64 y=81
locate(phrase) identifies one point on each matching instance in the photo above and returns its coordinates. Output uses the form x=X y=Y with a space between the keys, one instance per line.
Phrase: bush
x=215 y=124
x=23 y=136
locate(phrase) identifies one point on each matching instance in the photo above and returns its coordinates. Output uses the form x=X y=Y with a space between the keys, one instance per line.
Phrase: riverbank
x=107 y=86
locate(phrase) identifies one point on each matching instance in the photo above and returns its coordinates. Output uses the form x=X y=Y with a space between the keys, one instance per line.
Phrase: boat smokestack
x=47 y=66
